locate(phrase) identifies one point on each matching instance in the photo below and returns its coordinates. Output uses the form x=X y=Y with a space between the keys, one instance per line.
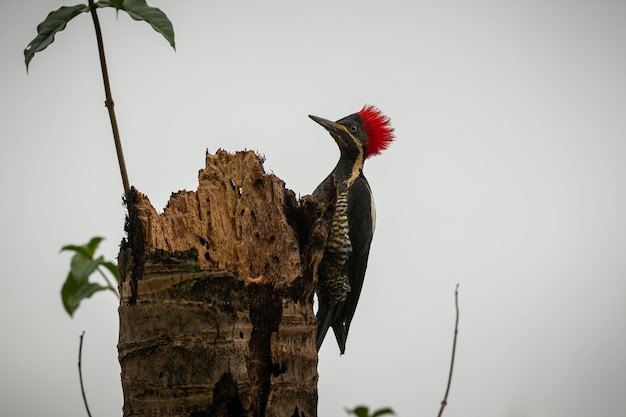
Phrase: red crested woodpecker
x=342 y=269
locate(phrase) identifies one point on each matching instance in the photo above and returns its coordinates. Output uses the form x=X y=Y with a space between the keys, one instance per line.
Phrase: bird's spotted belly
x=335 y=283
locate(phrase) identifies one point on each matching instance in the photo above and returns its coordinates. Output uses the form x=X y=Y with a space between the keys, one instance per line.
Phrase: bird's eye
x=353 y=128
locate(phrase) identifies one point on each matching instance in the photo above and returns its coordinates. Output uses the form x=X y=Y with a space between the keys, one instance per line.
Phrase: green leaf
x=77 y=286
x=46 y=30
x=88 y=249
x=118 y=4
x=383 y=411
x=93 y=245
x=78 y=249
x=81 y=267
x=112 y=268
x=73 y=292
x=360 y=411
x=139 y=10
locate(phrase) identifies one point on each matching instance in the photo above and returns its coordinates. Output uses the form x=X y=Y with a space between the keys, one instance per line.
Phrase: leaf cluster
x=363 y=411
x=58 y=19
x=77 y=286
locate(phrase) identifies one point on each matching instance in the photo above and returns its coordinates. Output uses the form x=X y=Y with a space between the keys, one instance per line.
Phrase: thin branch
x=111 y=287
x=80 y=373
x=109 y=99
x=456 y=331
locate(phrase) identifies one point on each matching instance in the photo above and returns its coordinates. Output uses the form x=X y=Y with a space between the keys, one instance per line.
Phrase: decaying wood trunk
x=216 y=316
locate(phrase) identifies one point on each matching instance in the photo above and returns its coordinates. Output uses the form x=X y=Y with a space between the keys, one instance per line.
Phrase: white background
x=508 y=176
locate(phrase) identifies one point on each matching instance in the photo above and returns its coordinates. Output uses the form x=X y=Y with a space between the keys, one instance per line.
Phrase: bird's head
x=367 y=132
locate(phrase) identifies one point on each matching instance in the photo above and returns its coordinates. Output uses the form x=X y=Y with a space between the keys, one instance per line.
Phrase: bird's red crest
x=378 y=128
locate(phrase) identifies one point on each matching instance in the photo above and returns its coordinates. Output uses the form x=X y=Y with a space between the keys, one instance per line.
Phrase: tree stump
x=216 y=312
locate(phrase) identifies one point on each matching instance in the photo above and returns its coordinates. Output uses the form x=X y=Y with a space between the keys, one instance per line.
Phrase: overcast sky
x=508 y=176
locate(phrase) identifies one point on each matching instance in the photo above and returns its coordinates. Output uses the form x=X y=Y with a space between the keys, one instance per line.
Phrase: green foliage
x=139 y=10
x=363 y=411
x=46 y=30
x=77 y=286
x=58 y=19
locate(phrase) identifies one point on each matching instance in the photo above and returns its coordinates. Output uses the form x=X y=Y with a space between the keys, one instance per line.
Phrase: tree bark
x=216 y=312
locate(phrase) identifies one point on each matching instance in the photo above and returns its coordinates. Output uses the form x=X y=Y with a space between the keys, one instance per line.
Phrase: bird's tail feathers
x=341 y=334
x=325 y=316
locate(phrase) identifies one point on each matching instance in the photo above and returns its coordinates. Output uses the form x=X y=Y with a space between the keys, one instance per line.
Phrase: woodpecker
x=342 y=269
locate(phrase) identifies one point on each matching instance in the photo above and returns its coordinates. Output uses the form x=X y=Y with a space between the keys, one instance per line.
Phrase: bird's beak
x=332 y=127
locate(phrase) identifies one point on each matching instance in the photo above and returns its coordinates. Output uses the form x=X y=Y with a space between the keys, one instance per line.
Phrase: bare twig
x=456 y=331
x=109 y=99
x=80 y=372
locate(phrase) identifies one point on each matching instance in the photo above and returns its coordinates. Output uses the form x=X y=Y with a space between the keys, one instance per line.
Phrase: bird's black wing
x=362 y=218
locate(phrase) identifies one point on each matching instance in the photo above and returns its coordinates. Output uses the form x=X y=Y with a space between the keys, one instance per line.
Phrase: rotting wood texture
x=216 y=315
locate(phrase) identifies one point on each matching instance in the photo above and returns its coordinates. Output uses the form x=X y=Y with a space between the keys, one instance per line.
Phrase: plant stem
x=109 y=99
x=111 y=287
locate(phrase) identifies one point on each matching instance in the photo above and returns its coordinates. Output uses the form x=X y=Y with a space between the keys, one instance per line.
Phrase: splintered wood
x=235 y=220
x=216 y=313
